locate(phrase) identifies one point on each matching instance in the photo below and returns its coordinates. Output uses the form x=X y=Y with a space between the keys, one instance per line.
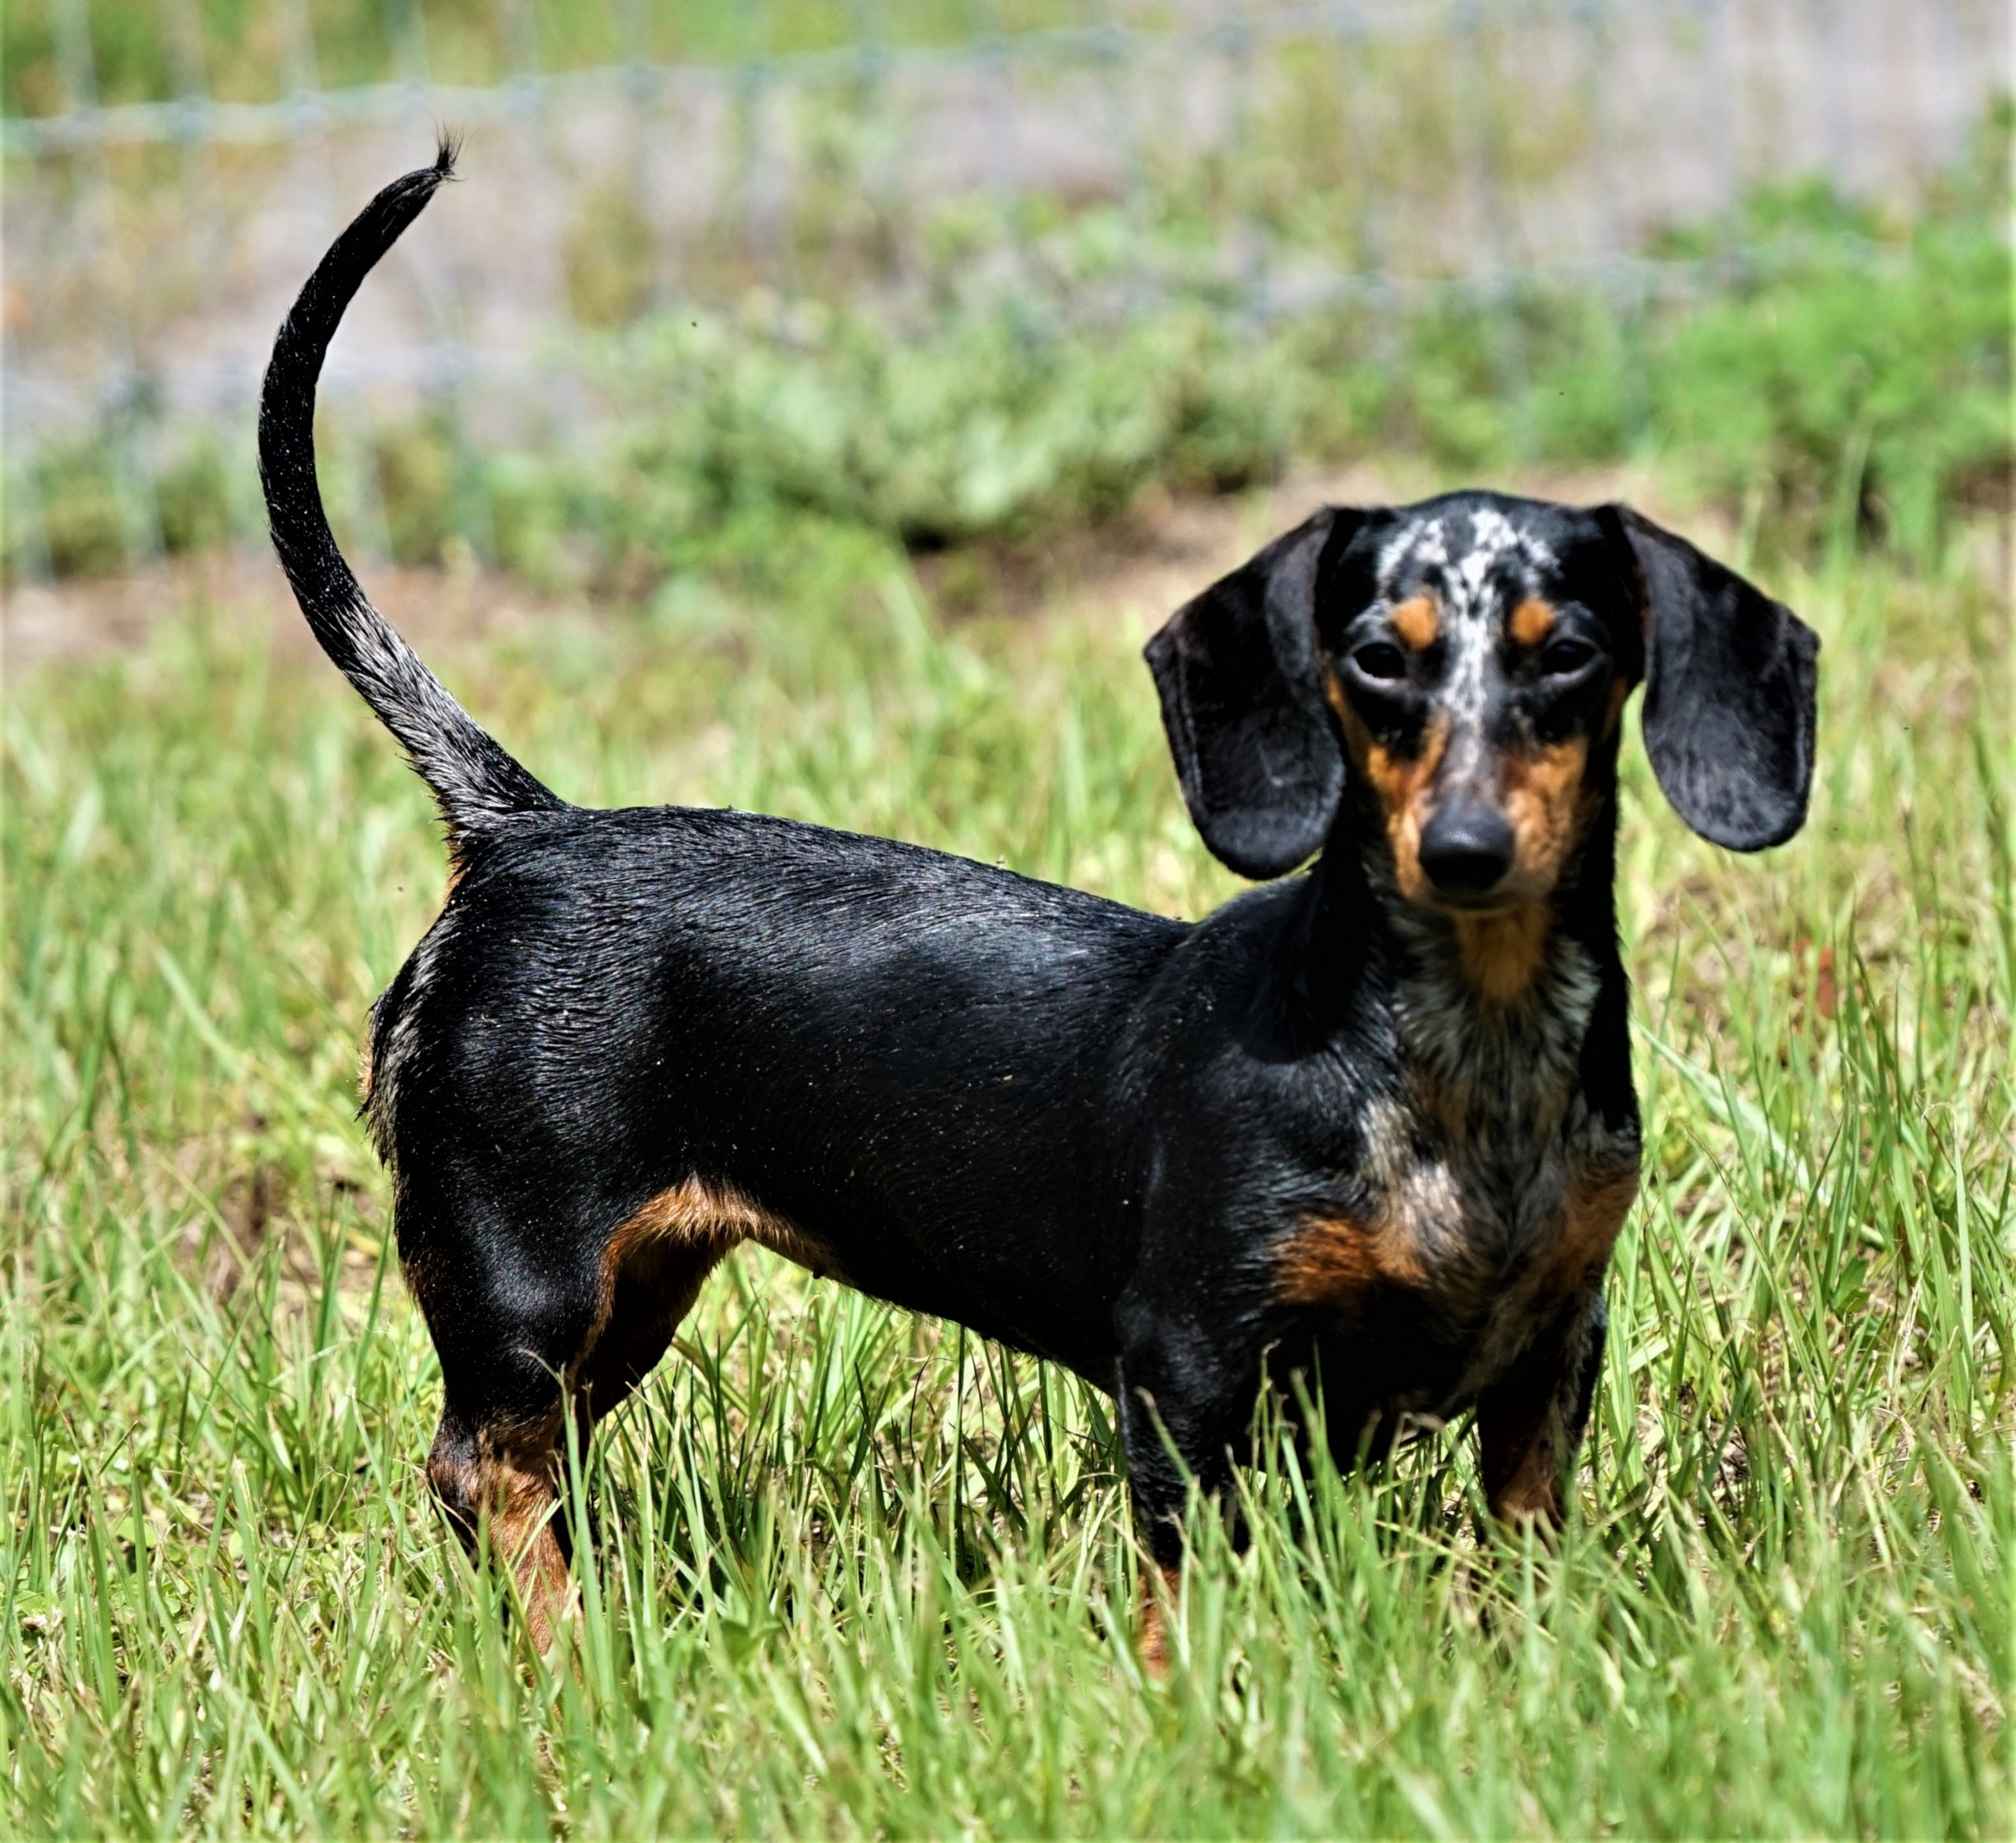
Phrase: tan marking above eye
x=1532 y=622
x=1417 y=622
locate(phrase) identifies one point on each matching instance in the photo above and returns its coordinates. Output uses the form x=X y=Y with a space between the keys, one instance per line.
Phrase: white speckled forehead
x=1418 y=544
x=1460 y=552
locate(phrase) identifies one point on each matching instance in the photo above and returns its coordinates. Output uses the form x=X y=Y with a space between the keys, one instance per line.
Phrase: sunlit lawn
x=857 y=1573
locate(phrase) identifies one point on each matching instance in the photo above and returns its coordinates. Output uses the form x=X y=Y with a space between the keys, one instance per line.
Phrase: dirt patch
x=1147 y=566
x=1140 y=568
x=76 y=622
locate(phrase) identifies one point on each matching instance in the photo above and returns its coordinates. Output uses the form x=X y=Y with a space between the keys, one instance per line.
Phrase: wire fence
x=1273 y=160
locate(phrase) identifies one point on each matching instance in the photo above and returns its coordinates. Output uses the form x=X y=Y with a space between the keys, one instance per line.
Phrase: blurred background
x=963 y=274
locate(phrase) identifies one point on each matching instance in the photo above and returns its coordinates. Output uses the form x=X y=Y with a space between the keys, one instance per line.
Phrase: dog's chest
x=1490 y=1226
x=1465 y=1198
x=1485 y=1197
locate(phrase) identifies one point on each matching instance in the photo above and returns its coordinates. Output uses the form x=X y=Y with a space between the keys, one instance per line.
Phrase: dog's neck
x=1490 y=1014
x=1485 y=1050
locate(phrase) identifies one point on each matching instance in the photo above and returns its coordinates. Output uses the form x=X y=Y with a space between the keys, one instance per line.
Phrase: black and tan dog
x=1374 y=1121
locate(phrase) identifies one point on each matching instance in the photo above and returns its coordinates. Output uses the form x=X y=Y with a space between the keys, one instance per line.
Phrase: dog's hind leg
x=499 y=1479
x=496 y=1467
x=650 y=1285
x=511 y=1315
x=527 y=1333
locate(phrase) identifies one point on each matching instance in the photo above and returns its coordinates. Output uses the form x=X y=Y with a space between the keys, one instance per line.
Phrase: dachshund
x=1372 y=1122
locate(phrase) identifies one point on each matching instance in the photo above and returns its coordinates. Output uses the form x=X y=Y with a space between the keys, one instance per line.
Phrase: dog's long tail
x=476 y=785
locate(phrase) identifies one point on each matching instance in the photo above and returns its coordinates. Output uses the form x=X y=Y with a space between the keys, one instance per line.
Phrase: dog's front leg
x=1532 y=1420
x=500 y=1483
x=1184 y=1406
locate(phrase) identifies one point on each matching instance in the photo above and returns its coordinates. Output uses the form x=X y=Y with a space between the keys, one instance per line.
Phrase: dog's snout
x=1466 y=848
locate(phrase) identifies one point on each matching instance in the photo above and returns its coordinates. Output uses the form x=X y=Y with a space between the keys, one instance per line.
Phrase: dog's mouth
x=1474 y=907
x=1515 y=893
x=1515 y=908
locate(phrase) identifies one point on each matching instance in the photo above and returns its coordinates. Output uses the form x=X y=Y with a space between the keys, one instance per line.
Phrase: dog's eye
x=1380 y=659
x=1566 y=656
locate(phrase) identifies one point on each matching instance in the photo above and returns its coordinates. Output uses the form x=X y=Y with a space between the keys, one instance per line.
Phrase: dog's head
x=1455 y=672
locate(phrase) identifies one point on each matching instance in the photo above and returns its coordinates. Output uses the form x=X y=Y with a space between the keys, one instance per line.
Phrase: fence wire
x=1389 y=155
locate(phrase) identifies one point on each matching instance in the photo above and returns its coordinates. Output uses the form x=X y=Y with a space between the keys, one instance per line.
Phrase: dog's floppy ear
x=1728 y=689
x=1243 y=703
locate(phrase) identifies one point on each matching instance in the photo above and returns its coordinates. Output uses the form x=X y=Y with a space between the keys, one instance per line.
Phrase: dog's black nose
x=1466 y=849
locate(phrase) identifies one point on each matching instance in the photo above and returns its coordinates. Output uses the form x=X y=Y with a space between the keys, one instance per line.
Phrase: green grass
x=857 y=1573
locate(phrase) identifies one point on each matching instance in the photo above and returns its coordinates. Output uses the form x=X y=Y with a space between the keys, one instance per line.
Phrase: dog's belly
x=1064 y=1317
x=1070 y=1323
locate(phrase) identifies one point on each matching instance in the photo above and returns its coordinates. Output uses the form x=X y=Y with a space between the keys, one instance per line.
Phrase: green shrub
x=1847 y=367
x=985 y=424
x=1868 y=377
x=83 y=533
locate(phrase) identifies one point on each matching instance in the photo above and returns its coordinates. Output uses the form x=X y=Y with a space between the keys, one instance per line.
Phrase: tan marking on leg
x=697 y=1212
x=702 y=1216
x=1519 y=1418
x=1154 y=1619
x=701 y=1210
x=1597 y=1205
x=658 y=1259
x=512 y=1492
x=651 y=1291
x=1502 y=955
x=694 y=1214
x=1417 y=622
x=1532 y=622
